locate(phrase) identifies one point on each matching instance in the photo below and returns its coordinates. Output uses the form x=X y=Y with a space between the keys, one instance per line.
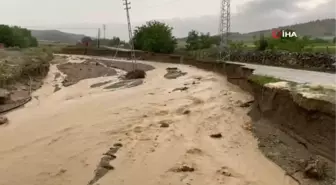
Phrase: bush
x=135 y=74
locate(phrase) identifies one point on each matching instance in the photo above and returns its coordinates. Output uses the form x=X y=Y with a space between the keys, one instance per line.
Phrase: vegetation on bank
x=114 y=42
x=263 y=79
x=23 y=64
x=16 y=37
x=154 y=36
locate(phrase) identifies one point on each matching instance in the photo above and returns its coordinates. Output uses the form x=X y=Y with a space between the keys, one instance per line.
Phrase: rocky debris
x=104 y=165
x=225 y=171
x=57 y=88
x=118 y=145
x=138 y=129
x=195 y=151
x=247 y=126
x=302 y=60
x=61 y=171
x=117 y=85
x=246 y=104
x=57 y=75
x=216 y=135
x=194 y=83
x=186 y=112
x=173 y=73
x=125 y=83
x=171 y=68
x=135 y=74
x=181 y=89
x=315 y=169
x=183 y=168
x=134 y=83
x=99 y=84
x=4 y=95
x=3 y=120
x=165 y=123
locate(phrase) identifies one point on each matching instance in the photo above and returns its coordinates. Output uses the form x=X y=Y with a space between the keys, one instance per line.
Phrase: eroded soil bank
x=293 y=129
x=22 y=72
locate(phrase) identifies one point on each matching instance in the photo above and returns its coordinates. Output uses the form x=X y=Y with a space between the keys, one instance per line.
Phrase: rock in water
x=3 y=120
x=4 y=95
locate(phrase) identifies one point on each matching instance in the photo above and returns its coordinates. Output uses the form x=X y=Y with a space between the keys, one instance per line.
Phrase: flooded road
x=192 y=136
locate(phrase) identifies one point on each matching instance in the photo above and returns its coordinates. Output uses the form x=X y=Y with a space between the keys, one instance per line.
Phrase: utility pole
x=104 y=29
x=127 y=7
x=224 y=30
x=98 y=40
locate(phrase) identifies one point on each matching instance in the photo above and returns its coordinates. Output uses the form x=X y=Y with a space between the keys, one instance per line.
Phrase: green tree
x=193 y=42
x=115 y=41
x=334 y=40
x=239 y=45
x=154 y=36
x=16 y=36
x=205 y=40
x=262 y=44
x=6 y=36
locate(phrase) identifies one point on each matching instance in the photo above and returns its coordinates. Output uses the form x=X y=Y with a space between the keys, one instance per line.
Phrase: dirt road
x=163 y=135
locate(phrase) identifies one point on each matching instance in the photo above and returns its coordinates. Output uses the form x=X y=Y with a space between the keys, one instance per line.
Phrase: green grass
x=262 y=80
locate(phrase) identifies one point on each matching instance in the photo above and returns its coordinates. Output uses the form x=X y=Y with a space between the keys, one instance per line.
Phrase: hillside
x=56 y=36
x=325 y=28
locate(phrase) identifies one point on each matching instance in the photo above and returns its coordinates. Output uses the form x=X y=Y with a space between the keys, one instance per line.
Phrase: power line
x=104 y=29
x=224 y=29
x=98 y=38
x=127 y=8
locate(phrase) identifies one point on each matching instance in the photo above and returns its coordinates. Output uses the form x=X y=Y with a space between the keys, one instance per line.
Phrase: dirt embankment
x=292 y=127
x=21 y=72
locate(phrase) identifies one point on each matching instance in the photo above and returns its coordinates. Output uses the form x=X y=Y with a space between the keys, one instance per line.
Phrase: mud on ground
x=93 y=68
x=76 y=72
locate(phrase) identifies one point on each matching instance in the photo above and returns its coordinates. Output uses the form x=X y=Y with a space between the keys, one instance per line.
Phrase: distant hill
x=56 y=36
x=325 y=28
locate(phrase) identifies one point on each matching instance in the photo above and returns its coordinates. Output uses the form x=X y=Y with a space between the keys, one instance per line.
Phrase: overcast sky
x=247 y=15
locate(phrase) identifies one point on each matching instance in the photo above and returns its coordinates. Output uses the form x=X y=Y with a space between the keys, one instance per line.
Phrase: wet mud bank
x=94 y=68
x=292 y=129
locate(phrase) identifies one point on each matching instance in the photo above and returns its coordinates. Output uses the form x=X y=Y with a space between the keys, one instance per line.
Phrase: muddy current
x=192 y=129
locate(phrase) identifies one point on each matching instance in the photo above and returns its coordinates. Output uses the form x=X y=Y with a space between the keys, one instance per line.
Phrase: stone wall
x=308 y=61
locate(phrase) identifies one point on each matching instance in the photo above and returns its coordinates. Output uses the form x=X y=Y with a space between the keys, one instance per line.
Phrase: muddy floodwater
x=149 y=134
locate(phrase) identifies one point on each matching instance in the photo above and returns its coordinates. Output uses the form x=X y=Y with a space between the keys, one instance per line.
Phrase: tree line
x=155 y=36
x=14 y=36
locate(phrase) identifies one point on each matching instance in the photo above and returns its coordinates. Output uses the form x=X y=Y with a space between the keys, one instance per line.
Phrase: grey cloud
x=252 y=16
